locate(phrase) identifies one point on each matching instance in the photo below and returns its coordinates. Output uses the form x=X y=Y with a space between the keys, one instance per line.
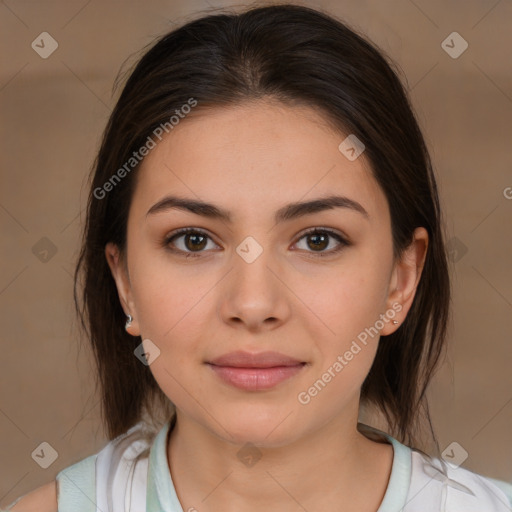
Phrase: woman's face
x=254 y=283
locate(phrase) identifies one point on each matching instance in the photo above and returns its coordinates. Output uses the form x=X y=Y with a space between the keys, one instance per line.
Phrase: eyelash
x=313 y=231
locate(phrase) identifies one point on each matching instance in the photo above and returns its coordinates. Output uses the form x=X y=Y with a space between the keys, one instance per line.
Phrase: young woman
x=264 y=256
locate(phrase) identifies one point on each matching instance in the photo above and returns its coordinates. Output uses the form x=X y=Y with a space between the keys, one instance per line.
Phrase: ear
x=119 y=271
x=405 y=279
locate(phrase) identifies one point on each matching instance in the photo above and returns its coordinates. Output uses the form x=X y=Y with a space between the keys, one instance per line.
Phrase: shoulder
x=492 y=493
x=42 y=499
x=78 y=482
x=506 y=487
x=462 y=489
x=90 y=480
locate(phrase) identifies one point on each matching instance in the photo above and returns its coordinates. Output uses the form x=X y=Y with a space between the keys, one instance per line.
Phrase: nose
x=254 y=295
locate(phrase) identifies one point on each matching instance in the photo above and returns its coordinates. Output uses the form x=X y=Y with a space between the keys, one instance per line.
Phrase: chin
x=265 y=429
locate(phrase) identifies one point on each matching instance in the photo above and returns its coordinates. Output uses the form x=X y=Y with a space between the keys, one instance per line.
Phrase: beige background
x=53 y=112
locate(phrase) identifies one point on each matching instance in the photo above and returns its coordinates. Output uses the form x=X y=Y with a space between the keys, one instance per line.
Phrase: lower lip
x=255 y=379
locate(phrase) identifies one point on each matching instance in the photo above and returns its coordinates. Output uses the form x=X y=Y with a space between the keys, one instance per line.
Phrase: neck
x=332 y=466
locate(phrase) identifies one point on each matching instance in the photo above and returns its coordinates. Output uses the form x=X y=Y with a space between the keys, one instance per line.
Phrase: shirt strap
x=76 y=486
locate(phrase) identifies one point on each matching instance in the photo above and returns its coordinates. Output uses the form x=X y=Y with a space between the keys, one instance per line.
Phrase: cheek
x=349 y=298
x=346 y=340
x=157 y=287
x=171 y=302
x=170 y=305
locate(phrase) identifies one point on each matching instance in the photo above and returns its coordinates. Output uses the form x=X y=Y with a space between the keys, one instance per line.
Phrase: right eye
x=192 y=241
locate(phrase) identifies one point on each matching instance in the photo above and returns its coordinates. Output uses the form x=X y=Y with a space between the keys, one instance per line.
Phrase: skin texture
x=252 y=160
x=42 y=499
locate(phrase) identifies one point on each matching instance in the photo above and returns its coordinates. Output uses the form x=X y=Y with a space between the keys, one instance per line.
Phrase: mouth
x=255 y=372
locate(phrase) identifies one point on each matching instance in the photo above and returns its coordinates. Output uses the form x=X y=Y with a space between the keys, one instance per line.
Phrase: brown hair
x=295 y=55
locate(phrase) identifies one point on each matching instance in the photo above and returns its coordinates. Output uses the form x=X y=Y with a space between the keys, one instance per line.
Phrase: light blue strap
x=77 y=487
x=161 y=495
x=400 y=478
x=397 y=490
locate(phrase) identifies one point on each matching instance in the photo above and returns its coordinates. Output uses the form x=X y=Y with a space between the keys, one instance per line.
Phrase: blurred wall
x=53 y=111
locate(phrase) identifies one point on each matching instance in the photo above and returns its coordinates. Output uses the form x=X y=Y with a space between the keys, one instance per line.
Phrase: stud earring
x=128 y=322
x=395 y=321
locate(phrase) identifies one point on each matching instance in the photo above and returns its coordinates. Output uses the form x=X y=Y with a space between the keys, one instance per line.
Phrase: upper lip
x=242 y=359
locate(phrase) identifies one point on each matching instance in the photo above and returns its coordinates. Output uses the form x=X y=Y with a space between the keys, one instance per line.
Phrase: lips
x=242 y=359
x=255 y=372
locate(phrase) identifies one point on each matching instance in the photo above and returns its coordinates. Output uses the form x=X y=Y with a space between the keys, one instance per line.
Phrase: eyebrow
x=288 y=212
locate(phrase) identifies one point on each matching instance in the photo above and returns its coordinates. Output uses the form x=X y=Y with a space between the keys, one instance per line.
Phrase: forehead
x=254 y=157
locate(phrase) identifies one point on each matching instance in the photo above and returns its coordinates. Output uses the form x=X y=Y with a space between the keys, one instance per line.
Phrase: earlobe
x=121 y=278
x=405 y=278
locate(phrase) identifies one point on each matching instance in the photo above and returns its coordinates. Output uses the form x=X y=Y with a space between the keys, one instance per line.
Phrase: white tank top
x=131 y=474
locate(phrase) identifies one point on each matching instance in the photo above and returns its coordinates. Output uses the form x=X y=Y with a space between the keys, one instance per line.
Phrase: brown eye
x=195 y=242
x=188 y=241
x=319 y=239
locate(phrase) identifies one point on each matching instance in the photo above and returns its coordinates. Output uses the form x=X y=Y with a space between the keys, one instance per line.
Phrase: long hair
x=298 y=56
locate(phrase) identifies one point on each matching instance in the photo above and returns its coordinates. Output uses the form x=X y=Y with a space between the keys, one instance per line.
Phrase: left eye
x=319 y=240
